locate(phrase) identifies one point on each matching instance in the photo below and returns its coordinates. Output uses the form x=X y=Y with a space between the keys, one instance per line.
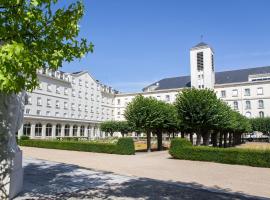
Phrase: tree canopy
x=35 y=34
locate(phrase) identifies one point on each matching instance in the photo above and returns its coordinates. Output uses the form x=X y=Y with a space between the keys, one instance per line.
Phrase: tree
x=123 y=127
x=198 y=110
x=34 y=34
x=109 y=127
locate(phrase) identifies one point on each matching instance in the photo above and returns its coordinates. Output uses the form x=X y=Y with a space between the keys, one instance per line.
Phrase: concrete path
x=52 y=180
x=158 y=165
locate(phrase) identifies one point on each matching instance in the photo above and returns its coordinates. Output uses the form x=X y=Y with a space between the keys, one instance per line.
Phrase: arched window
x=27 y=129
x=89 y=131
x=82 y=131
x=67 y=127
x=261 y=104
x=261 y=114
x=75 y=129
x=48 y=130
x=38 y=130
x=58 y=130
x=248 y=114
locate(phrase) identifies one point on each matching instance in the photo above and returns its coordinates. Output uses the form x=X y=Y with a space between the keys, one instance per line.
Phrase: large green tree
x=109 y=127
x=37 y=34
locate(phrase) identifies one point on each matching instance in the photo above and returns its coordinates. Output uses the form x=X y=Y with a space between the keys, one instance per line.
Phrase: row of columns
x=92 y=132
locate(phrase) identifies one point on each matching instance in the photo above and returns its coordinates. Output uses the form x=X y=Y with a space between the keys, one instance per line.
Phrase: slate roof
x=234 y=76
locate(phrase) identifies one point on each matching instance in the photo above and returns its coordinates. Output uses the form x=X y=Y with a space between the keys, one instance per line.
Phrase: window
x=65 y=115
x=86 y=108
x=58 y=130
x=74 y=131
x=67 y=127
x=73 y=80
x=38 y=112
x=80 y=82
x=235 y=105
x=57 y=104
x=49 y=103
x=40 y=86
x=66 y=91
x=27 y=111
x=118 y=101
x=80 y=107
x=261 y=114
x=72 y=116
x=49 y=87
x=39 y=101
x=248 y=114
x=260 y=104
x=57 y=114
x=247 y=92
x=48 y=130
x=65 y=105
x=73 y=93
x=248 y=105
x=80 y=94
x=73 y=106
x=212 y=59
x=235 y=93
x=27 y=129
x=38 y=130
x=86 y=95
x=28 y=100
x=48 y=113
x=58 y=89
x=260 y=91
x=82 y=131
x=223 y=93
x=86 y=84
x=200 y=61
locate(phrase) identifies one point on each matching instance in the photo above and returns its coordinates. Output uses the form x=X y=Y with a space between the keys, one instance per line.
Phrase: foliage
x=109 y=127
x=182 y=149
x=36 y=34
x=124 y=146
x=24 y=137
x=123 y=127
x=261 y=124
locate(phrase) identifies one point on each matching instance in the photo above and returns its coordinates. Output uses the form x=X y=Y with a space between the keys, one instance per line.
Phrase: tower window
x=200 y=61
x=212 y=58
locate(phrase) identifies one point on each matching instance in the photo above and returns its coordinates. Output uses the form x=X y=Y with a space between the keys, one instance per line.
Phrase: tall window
x=74 y=131
x=49 y=103
x=261 y=104
x=200 y=61
x=82 y=131
x=89 y=131
x=260 y=91
x=167 y=98
x=248 y=105
x=57 y=104
x=261 y=114
x=48 y=130
x=235 y=93
x=58 y=89
x=39 y=101
x=223 y=93
x=58 y=130
x=27 y=129
x=38 y=130
x=49 y=87
x=247 y=92
x=235 y=105
x=67 y=127
x=118 y=102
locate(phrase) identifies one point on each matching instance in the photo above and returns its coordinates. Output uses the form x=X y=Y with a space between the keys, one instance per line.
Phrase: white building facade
x=73 y=105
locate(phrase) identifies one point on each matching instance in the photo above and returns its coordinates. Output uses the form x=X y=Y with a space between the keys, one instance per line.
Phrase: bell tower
x=202 y=69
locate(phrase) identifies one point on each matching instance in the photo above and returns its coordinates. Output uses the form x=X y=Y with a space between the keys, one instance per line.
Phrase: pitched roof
x=234 y=76
x=201 y=44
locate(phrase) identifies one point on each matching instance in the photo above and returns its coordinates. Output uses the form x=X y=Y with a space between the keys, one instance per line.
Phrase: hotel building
x=74 y=104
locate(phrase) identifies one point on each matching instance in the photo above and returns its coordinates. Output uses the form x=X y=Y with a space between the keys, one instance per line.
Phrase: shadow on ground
x=50 y=180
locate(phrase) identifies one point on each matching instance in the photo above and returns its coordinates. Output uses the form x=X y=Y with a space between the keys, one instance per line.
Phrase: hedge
x=183 y=149
x=124 y=146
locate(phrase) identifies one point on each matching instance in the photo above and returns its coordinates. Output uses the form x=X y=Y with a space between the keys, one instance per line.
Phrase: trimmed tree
x=123 y=127
x=109 y=127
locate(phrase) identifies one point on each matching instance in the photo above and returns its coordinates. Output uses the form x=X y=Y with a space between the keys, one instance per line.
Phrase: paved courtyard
x=52 y=180
x=143 y=176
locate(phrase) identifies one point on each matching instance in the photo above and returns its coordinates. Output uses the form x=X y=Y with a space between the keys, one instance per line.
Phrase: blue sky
x=138 y=42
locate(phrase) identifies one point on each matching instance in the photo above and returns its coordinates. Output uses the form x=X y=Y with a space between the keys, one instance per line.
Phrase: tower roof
x=201 y=44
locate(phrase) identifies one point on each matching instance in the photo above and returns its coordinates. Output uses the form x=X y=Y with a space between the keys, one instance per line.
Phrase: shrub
x=123 y=146
x=126 y=146
x=182 y=149
x=24 y=137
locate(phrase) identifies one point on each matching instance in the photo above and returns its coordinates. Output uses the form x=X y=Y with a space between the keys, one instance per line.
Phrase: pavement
x=143 y=176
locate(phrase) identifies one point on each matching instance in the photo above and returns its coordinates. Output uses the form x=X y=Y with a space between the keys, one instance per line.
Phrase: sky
x=138 y=42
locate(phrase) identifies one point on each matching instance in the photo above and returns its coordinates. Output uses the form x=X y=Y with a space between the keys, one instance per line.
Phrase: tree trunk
x=220 y=139
x=199 y=138
x=206 y=138
x=182 y=135
x=225 y=139
x=214 y=139
x=230 y=139
x=123 y=135
x=191 y=138
x=173 y=135
x=148 y=135
x=159 y=141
